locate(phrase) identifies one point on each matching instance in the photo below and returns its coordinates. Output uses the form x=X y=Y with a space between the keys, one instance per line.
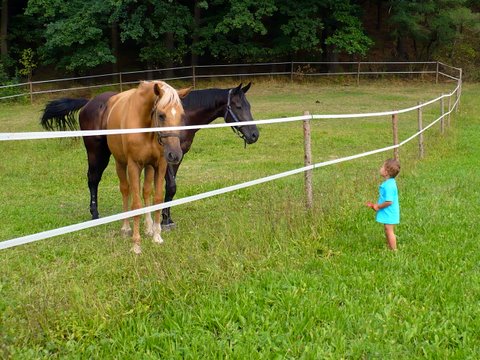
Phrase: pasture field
x=252 y=274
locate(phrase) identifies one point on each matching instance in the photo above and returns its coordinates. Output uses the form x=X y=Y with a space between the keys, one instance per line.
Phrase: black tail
x=60 y=114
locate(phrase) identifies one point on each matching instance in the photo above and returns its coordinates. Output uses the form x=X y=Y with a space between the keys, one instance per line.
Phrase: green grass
x=251 y=274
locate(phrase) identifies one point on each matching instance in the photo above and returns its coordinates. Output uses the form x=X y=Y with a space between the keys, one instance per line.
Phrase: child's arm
x=383 y=205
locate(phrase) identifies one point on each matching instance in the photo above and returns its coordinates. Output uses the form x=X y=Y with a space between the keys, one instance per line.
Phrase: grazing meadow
x=253 y=273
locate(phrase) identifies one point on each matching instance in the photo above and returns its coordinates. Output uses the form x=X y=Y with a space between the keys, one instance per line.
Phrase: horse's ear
x=237 y=89
x=245 y=89
x=157 y=90
x=184 y=92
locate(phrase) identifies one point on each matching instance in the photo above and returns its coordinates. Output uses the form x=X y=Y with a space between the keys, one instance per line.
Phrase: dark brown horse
x=200 y=106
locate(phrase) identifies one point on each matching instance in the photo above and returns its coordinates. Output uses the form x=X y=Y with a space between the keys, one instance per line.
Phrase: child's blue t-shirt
x=389 y=192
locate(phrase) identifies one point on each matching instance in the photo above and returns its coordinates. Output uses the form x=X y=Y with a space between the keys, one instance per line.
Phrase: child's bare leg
x=390 y=235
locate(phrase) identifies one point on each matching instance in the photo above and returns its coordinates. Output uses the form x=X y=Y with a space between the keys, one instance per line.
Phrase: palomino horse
x=152 y=104
x=201 y=107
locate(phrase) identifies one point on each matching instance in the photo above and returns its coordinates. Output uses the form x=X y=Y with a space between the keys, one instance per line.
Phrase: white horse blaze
x=174 y=112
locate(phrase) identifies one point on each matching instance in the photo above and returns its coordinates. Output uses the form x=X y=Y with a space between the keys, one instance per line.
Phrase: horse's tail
x=60 y=114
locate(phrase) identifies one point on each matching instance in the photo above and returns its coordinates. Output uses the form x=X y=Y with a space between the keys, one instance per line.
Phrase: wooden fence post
x=291 y=71
x=358 y=73
x=395 y=135
x=31 y=92
x=307 y=161
x=449 y=109
x=460 y=83
x=121 y=81
x=442 y=113
x=420 y=137
x=193 y=76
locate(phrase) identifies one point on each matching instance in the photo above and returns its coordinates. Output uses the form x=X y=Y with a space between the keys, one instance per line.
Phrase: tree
x=4 y=29
x=74 y=35
x=234 y=30
x=250 y=30
x=161 y=29
x=28 y=63
x=427 y=26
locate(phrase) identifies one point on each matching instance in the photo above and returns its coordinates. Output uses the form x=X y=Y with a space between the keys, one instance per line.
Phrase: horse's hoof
x=149 y=231
x=126 y=232
x=168 y=227
x=137 y=249
x=149 y=227
x=157 y=239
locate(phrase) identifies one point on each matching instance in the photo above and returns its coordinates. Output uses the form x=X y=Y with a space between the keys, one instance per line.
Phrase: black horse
x=201 y=107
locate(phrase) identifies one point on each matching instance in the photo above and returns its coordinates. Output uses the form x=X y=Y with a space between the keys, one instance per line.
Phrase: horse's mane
x=170 y=95
x=206 y=98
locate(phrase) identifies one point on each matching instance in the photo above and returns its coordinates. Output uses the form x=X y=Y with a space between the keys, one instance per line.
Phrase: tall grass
x=251 y=274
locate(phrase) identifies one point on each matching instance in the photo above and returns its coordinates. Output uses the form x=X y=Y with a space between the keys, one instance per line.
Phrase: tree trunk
x=114 y=43
x=169 y=45
x=401 y=53
x=196 y=15
x=379 y=14
x=332 y=58
x=4 y=29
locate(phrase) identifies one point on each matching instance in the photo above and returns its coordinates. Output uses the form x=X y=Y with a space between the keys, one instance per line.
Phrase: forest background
x=42 y=39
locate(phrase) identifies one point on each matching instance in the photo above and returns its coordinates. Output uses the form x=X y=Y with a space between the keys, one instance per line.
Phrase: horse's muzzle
x=250 y=133
x=171 y=149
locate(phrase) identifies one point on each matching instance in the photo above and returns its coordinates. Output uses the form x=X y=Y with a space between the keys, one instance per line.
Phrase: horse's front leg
x=98 y=156
x=125 y=190
x=158 y=183
x=134 y=171
x=170 y=191
x=147 y=197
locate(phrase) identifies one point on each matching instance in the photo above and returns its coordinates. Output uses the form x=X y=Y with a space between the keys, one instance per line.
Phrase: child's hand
x=372 y=206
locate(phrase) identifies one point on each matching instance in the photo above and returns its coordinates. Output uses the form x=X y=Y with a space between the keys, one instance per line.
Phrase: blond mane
x=170 y=95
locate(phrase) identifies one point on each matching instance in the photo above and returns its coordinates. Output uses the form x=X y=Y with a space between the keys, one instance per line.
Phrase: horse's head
x=238 y=109
x=168 y=111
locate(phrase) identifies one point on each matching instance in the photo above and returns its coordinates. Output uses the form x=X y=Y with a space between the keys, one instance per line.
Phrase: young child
x=387 y=207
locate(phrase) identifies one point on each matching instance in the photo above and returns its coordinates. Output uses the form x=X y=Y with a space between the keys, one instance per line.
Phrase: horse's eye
x=238 y=107
x=161 y=116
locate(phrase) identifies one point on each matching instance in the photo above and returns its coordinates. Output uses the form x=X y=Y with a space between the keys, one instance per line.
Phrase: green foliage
x=348 y=36
x=3 y=74
x=433 y=26
x=5 y=79
x=77 y=36
x=256 y=31
x=28 y=63
x=301 y=29
x=152 y=25
x=74 y=33
x=463 y=48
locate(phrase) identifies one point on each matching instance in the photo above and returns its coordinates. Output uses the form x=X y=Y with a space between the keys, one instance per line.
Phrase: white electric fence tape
x=85 y=225
x=67 y=134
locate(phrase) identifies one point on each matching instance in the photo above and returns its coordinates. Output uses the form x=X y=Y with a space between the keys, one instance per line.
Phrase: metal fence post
x=436 y=73
x=31 y=92
x=307 y=161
